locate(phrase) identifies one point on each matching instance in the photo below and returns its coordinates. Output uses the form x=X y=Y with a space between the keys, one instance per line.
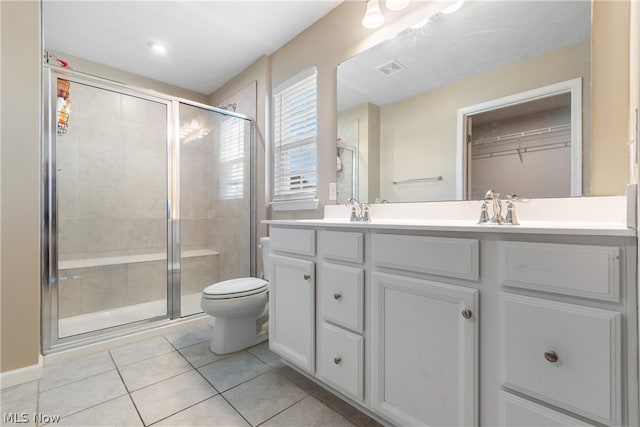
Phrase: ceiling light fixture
x=373 y=17
x=157 y=47
x=397 y=4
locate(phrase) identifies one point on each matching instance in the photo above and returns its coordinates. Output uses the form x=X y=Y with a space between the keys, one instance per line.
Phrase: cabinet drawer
x=340 y=360
x=342 y=246
x=342 y=295
x=518 y=412
x=292 y=240
x=565 y=354
x=432 y=255
x=585 y=271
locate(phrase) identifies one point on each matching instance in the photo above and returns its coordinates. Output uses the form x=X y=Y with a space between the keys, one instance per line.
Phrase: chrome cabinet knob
x=307 y=277
x=551 y=356
x=466 y=313
x=337 y=296
x=337 y=360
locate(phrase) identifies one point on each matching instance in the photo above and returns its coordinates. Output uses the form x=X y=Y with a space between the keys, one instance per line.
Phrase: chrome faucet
x=497 y=207
x=359 y=211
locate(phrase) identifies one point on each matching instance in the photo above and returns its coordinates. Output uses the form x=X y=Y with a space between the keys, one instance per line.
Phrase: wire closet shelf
x=522 y=142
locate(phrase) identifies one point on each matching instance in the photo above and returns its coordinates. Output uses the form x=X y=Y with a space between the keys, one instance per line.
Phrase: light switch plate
x=333 y=192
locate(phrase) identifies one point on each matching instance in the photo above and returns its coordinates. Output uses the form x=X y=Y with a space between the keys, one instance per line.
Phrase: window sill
x=295 y=205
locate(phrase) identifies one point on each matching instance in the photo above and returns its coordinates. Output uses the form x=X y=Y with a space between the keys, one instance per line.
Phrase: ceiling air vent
x=390 y=68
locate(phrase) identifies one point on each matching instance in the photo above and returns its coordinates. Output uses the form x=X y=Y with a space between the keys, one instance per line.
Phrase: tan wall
x=610 y=97
x=420 y=145
x=20 y=185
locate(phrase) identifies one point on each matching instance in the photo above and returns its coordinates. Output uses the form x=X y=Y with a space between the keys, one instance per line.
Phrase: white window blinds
x=295 y=134
x=232 y=158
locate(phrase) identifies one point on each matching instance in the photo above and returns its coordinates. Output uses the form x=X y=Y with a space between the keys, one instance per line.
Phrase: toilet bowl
x=240 y=308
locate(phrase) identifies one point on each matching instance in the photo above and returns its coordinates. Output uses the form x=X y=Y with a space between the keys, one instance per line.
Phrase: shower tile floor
x=175 y=380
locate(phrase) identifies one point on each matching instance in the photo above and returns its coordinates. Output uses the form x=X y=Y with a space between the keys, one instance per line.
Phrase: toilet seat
x=235 y=288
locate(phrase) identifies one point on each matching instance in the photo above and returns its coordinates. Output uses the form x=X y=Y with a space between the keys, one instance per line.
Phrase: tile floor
x=175 y=380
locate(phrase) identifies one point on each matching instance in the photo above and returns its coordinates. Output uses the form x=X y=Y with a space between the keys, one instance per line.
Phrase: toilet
x=240 y=308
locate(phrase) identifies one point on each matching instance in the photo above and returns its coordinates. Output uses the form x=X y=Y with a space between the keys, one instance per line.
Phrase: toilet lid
x=235 y=288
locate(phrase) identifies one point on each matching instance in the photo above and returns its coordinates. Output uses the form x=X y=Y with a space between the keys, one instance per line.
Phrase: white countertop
x=530 y=227
x=600 y=216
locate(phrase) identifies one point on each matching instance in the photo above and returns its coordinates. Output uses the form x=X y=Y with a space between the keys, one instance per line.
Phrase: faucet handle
x=354 y=214
x=511 y=212
x=484 y=214
x=512 y=197
x=365 y=213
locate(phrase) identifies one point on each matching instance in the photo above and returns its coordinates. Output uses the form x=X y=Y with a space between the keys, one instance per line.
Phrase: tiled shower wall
x=112 y=191
x=210 y=218
x=111 y=175
x=112 y=186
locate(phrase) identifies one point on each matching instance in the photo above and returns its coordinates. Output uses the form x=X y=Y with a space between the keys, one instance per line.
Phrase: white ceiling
x=480 y=37
x=208 y=42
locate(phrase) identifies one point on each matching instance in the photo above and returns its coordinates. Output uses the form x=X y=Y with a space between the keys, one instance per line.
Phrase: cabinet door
x=292 y=310
x=424 y=351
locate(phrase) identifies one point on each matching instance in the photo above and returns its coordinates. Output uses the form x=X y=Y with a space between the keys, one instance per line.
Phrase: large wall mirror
x=495 y=95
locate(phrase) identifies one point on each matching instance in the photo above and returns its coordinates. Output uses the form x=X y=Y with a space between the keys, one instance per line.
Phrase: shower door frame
x=50 y=340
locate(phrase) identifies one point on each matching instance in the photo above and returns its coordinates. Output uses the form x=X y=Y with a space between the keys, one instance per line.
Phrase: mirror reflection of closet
x=527 y=144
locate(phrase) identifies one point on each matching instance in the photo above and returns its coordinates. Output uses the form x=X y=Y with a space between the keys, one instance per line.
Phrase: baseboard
x=21 y=375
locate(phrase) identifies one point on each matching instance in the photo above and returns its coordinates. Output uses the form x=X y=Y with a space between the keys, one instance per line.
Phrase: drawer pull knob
x=337 y=296
x=337 y=360
x=307 y=277
x=466 y=313
x=551 y=356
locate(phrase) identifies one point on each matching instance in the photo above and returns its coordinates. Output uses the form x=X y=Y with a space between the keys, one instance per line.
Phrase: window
x=295 y=140
x=232 y=158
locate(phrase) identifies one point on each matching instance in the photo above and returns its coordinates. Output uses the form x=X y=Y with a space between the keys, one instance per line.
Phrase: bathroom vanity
x=445 y=322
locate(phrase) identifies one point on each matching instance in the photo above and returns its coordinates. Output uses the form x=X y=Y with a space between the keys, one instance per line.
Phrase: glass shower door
x=215 y=201
x=110 y=175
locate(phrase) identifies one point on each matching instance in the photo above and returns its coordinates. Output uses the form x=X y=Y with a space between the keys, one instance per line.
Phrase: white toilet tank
x=264 y=243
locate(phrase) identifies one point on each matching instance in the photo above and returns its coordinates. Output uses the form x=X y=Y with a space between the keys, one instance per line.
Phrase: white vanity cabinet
x=488 y=326
x=292 y=297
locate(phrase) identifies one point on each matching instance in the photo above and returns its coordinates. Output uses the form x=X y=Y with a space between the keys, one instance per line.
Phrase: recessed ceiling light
x=157 y=47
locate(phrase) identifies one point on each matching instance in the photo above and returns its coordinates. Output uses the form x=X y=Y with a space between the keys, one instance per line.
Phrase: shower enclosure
x=147 y=199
